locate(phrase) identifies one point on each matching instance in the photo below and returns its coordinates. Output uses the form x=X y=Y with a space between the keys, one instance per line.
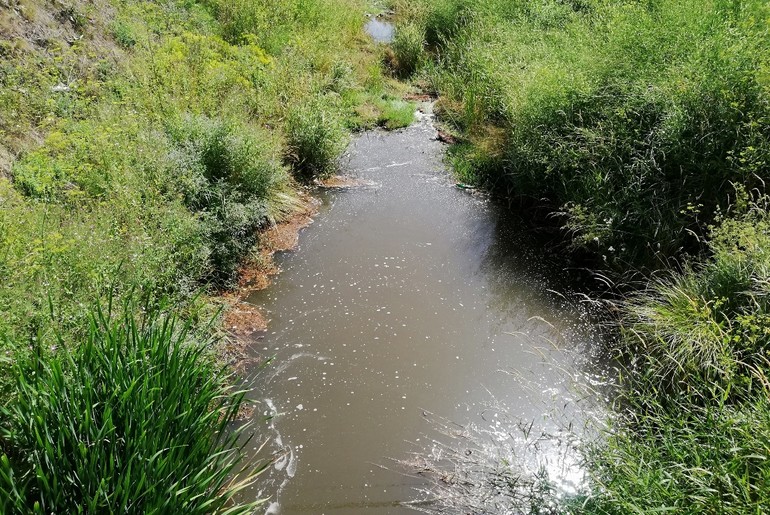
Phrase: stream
x=412 y=299
x=407 y=295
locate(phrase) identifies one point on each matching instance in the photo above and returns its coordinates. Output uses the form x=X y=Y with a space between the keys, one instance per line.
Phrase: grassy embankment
x=644 y=127
x=142 y=147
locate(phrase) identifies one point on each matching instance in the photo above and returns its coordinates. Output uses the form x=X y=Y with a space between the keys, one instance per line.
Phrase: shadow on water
x=407 y=296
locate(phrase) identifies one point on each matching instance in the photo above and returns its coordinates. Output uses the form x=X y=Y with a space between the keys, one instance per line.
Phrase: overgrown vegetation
x=698 y=418
x=642 y=126
x=631 y=119
x=142 y=147
x=134 y=420
x=145 y=143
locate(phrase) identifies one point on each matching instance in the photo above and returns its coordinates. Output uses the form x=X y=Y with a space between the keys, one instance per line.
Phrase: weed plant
x=135 y=420
x=315 y=139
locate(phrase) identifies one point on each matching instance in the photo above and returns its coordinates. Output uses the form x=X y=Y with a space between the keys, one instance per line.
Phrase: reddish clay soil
x=418 y=97
x=242 y=320
x=339 y=182
x=445 y=137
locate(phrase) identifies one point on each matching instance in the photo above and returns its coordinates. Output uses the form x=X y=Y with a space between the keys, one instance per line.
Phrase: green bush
x=227 y=174
x=315 y=138
x=123 y=34
x=630 y=119
x=135 y=420
x=408 y=49
x=239 y=157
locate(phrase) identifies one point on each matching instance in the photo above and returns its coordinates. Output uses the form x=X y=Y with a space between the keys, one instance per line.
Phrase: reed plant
x=137 y=419
x=408 y=51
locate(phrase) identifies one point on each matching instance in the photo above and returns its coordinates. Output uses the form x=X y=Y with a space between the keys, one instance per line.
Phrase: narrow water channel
x=406 y=295
x=380 y=31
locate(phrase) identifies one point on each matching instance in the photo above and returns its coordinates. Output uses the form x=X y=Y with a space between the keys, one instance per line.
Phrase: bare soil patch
x=340 y=182
x=243 y=320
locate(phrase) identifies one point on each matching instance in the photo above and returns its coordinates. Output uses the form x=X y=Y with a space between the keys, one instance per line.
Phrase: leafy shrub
x=135 y=420
x=227 y=174
x=213 y=151
x=94 y=159
x=123 y=34
x=315 y=139
x=77 y=161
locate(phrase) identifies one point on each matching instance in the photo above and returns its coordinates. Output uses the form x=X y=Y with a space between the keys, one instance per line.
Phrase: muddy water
x=406 y=295
x=380 y=31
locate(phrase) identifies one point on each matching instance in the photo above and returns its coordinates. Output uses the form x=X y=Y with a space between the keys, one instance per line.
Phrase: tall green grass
x=137 y=419
x=703 y=333
x=695 y=420
x=631 y=119
x=315 y=139
x=408 y=50
x=684 y=459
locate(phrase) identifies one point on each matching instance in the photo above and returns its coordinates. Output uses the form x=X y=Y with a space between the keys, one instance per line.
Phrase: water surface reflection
x=406 y=296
